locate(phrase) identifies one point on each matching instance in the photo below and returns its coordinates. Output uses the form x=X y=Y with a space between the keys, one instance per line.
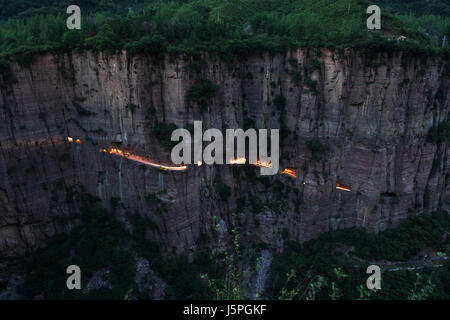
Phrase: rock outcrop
x=366 y=119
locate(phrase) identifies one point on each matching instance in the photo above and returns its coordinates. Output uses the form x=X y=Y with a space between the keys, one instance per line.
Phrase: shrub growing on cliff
x=132 y=107
x=73 y=39
x=312 y=84
x=224 y=191
x=202 y=92
x=163 y=132
x=280 y=102
x=315 y=65
x=439 y=134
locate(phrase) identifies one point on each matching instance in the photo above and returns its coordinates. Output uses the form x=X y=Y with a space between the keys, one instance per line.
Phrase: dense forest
x=227 y=28
x=318 y=269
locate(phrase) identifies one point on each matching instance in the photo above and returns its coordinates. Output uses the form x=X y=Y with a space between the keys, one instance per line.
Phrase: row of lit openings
x=292 y=172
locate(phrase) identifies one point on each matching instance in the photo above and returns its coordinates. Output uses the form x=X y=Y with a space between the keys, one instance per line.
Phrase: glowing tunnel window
x=292 y=172
x=343 y=187
x=116 y=151
x=264 y=164
x=238 y=161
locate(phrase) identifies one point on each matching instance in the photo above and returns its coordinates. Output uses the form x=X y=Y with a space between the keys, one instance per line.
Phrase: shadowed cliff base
x=119 y=264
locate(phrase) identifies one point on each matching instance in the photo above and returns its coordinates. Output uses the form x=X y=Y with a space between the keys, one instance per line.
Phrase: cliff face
x=369 y=117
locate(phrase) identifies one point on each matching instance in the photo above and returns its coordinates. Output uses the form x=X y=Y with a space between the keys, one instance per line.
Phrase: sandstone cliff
x=370 y=115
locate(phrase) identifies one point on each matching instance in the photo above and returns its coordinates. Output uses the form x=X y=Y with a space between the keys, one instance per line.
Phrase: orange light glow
x=116 y=151
x=78 y=141
x=342 y=187
x=137 y=158
x=238 y=161
x=69 y=139
x=264 y=164
x=290 y=172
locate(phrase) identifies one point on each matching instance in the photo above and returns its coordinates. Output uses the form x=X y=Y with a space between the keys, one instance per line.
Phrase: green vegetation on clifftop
x=226 y=28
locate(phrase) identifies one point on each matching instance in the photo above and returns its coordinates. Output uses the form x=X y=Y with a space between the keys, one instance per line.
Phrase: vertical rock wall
x=369 y=114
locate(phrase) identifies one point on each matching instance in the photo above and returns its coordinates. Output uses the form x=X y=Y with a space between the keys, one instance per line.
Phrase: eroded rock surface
x=371 y=114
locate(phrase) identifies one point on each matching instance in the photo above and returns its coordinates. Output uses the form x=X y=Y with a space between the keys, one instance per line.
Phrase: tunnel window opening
x=343 y=187
x=389 y=195
x=238 y=161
